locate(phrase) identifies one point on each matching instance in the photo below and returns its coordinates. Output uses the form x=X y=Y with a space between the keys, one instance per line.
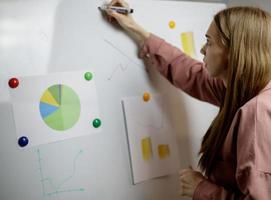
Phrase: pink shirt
x=244 y=169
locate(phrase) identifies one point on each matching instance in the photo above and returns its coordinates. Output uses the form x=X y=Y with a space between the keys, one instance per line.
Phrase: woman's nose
x=202 y=50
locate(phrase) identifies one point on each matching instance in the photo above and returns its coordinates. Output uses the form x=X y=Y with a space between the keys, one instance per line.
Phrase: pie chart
x=60 y=107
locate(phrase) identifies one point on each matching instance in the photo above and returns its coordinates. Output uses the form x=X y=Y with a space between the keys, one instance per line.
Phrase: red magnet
x=13 y=82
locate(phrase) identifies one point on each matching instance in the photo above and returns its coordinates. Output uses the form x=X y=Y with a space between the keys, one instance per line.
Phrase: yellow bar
x=163 y=151
x=146 y=147
x=188 y=44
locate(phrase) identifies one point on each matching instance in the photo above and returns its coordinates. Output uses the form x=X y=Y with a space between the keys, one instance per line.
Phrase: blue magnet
x=23 y=141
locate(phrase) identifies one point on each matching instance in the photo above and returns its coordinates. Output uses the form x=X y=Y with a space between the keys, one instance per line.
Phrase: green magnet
x=88 y=76
x=96 y=123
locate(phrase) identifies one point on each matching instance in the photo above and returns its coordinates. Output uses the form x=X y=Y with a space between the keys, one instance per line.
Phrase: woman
x=235 y=75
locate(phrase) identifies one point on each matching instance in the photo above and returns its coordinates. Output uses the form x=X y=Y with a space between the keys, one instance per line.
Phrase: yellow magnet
x=172 y=24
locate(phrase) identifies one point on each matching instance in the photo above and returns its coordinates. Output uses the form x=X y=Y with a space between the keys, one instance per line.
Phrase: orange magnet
x=146 y=96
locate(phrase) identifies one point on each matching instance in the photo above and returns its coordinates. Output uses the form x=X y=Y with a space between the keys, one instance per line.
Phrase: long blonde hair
x=246 y=33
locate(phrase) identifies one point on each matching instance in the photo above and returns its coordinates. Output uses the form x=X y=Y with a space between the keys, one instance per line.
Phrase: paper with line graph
x=59 y=182
x=151 y=138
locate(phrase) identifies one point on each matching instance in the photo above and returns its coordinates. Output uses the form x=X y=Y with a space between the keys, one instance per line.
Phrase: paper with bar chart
x=55 y=107
x=151 y=138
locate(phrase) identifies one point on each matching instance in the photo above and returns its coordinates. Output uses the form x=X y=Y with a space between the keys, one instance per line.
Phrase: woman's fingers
x=113 y=14
x=122 y=19
x=109 y=17
x=114 y=3
x=118 y=3
x=184 y=171
x=184 y=179
x=183 y=189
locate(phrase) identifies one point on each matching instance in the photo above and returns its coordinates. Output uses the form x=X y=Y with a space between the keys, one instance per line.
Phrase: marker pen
x=121 y=10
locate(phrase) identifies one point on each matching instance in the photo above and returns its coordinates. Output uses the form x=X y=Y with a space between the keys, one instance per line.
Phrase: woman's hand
x=127 y=22
x=189 y=180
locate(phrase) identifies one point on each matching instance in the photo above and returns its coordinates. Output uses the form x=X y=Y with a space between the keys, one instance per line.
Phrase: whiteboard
x=40 y=37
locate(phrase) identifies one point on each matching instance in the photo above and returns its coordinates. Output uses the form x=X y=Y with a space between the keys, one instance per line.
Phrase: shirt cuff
x=150 y=46
x=204 y=190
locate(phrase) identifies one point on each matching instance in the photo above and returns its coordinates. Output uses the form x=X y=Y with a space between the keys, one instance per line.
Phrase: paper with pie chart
x=55 y=107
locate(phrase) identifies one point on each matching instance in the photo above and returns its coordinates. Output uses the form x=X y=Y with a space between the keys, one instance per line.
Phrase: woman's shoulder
x=255 y=123
x=255 y=115
x=260 y=105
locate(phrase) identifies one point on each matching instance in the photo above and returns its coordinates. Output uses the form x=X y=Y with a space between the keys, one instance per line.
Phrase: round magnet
x=172 y=24
x=146 y=96
x=23 y=141
x=88 y=76
x=13 y=83
x=96 y=123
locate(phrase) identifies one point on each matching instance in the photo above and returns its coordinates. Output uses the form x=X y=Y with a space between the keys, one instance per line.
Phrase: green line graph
x=57 y=188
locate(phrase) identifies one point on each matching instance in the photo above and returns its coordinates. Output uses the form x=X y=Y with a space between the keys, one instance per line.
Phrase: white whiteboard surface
x=39 y=37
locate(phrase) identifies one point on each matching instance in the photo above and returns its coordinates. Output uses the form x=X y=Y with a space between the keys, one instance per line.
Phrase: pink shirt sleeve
x=182 y=71
x=253 y=160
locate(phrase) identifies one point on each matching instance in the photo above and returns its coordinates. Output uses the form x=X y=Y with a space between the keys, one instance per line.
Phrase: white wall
x=264 y=4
